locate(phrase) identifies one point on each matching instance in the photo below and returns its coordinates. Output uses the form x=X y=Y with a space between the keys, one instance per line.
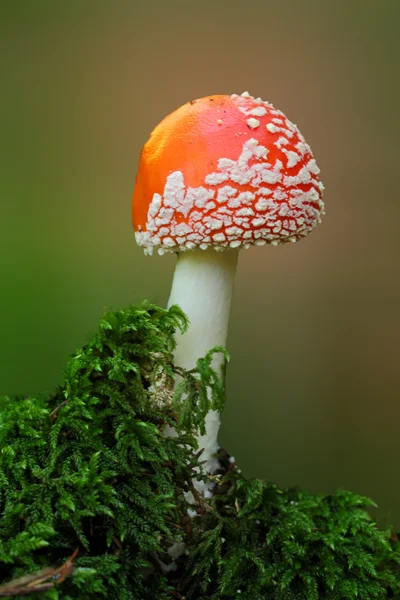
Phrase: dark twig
x=53 y=412
x=40 y=581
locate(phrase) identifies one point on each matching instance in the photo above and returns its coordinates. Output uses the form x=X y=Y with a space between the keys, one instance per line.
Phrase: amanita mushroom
x=219 y=174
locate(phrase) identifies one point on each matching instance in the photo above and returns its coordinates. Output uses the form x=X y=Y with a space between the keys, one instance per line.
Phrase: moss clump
x=260 y=542
x=88 y=472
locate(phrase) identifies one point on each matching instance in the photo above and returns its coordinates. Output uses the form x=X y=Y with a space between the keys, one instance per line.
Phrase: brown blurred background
x=313 y=384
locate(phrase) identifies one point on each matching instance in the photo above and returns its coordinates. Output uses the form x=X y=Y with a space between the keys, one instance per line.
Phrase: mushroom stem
x=202 y=287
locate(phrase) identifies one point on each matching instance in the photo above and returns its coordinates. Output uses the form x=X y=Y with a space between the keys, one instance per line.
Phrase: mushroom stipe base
x=93 y=494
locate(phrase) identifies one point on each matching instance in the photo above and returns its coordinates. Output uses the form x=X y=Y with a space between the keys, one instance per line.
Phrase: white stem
x=202 y=287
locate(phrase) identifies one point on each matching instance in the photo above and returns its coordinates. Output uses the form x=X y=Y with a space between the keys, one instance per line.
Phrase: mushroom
x=219 y=174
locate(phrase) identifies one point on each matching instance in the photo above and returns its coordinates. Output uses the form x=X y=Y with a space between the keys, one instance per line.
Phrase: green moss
x=89 y=468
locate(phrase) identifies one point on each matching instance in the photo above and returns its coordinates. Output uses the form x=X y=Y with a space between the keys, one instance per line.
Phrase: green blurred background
x=313 y=384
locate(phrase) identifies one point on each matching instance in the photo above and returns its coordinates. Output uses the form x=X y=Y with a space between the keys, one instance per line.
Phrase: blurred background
x=313 y=383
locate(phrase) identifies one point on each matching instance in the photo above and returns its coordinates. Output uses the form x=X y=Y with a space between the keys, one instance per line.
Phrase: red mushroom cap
x=225 y=172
